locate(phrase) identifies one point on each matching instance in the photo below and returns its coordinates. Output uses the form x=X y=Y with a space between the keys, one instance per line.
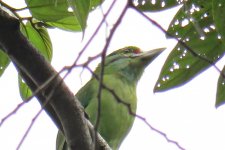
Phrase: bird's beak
x=152 y=53
x=147 y=57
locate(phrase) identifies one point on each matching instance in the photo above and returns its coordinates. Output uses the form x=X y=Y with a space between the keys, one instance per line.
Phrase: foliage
x=67 y=15
x=40 y=39
x=4 y=62
x=197 y=30
x=198 y=27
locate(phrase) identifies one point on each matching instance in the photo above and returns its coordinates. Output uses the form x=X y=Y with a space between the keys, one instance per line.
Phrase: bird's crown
x=129 y=51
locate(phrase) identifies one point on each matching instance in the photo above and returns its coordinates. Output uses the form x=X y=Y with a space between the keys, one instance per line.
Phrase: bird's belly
x=115 y=119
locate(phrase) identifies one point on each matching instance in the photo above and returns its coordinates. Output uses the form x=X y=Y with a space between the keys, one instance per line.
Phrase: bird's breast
x=115 y=116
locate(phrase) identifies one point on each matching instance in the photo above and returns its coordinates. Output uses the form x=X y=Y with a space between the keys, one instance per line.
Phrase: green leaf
x=95 y=3
x=218 y=10
x=81 y=9
x=39 y=38
x=4 y=62
x=219 y=19
x=54 y=12
x=156 y=5
x=220 y=94
x=48 y=10
x=25 y=91
x=69 y=24
x=64 y=14
x=197 y=30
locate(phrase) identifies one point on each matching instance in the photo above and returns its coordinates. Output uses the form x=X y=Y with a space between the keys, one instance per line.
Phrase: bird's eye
x=126 y=51
x=131 y=51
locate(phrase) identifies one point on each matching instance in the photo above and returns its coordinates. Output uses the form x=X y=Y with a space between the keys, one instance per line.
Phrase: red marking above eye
x=137 y=51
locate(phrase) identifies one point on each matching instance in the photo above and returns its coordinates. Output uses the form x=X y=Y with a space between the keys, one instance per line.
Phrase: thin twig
x=48 y=99
x=94 y=34
x=104 y=51
x=101 y=85
x=37 y=91
x=28 y=129
x=12 y=112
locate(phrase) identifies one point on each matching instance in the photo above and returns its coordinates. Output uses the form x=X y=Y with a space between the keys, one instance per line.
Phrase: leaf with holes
x=95 y=3
x=218 y=10
x=219 y=19
x=4 y=62
x=156 y=5
x=220 y=94
x=192 y=25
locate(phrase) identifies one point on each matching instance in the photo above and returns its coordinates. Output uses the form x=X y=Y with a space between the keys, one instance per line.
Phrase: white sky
x=186 y=114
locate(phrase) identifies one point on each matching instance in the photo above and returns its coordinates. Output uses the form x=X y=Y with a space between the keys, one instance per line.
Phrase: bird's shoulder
x=87 y=92
x=114 y=82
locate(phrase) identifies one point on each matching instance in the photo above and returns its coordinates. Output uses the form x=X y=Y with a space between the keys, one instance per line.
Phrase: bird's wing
x=87 y=92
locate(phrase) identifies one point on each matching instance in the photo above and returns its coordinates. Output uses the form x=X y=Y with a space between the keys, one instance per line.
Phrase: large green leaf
x=218 y=11
x=25 y=91
x=49 y=10
x=220 y=94
x=69 y=24
x=156 y=5
x=39 y=38
x=81 y=9
x=95 y=3
x=4 y=62
x=64 y=14
x=193 y=25
x=54 y=12
x=219 y=19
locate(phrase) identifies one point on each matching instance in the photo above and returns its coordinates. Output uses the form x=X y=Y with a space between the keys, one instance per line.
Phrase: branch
x=35 y=70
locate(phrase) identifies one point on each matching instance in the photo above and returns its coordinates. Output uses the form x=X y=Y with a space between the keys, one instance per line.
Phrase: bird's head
x=129 y=62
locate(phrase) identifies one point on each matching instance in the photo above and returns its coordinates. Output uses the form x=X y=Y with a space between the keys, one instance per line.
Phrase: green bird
x=122 y=70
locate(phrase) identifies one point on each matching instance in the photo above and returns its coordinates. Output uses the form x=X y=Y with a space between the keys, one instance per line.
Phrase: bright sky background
x=186 y=114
